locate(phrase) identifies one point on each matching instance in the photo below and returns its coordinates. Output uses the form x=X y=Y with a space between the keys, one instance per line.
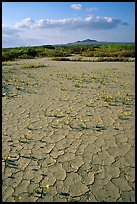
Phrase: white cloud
x=25 y=23
x=92 y=9
x=108 y=19
x=76 y=6
x=20 y=36
x=49 y=31
x=90 y=22
x=8 y=30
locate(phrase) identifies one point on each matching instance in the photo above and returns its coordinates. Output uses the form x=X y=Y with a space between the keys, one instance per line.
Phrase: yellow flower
x=127 y=99
x=128 y=113
x=47 y=186
x=57 y=121
x=91 y=101
x=119 y=93
x=98 y=121
x=27 y=135
x=20 y=197
x=7 y=157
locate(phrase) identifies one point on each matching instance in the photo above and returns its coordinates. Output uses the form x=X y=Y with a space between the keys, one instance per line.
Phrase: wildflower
x=127 y=99
x=47 y=186
x=7 y=157
x=128 y=113
x=27 y=135
x=20 y=197
x=91 y=101
x=119 y=93
x=57 y=121
x=98 y=121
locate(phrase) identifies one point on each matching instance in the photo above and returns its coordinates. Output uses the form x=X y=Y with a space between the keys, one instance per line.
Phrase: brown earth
x=68 y=131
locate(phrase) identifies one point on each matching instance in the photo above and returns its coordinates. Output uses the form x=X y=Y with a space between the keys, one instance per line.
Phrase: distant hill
x=83 y=42
x=86 y=42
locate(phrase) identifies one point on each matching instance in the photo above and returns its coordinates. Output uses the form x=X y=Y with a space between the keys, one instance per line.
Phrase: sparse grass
x=118 y=100
x=60 y=59
x=112 y=59
x=32 y=65
x=99 y=127
x=77 y=59
x=77 y=85
x=123 y=116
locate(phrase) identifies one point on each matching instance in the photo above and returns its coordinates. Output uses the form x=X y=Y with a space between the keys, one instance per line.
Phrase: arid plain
x=68 y=131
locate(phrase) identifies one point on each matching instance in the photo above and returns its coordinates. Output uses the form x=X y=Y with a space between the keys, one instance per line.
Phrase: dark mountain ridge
x=87 y=41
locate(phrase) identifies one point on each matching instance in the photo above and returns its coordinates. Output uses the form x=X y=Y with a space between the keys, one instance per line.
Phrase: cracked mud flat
x=68 y=132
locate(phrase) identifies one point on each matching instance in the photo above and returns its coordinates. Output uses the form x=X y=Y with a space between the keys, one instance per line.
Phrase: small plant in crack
x=39 y=192
x=99 y=126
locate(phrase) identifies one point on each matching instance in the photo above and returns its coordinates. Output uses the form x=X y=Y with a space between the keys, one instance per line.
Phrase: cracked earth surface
x=68 y=132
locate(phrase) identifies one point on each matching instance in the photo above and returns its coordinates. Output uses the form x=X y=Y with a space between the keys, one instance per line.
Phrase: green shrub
x=126 y=54
x=56 y=53
x=101 y=50
x=6 y=56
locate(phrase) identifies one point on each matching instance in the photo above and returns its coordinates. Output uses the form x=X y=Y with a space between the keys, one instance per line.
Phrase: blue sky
x=38 y=23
